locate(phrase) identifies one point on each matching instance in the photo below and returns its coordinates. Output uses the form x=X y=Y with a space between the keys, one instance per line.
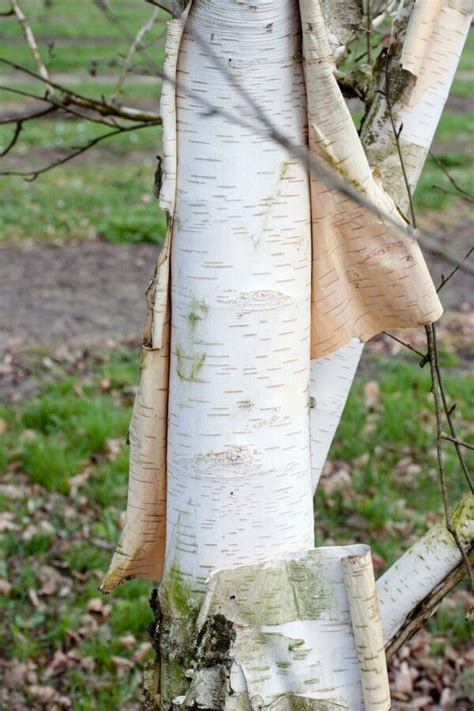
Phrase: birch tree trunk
x=239 y=483
x=250 y=616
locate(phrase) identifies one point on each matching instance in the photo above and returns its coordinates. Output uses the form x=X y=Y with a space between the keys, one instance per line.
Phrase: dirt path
x=88 y=291
x=91 y=291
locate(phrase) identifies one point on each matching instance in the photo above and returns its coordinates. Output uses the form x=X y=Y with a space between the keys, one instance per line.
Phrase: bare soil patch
x=93 y=291
x=89 y=291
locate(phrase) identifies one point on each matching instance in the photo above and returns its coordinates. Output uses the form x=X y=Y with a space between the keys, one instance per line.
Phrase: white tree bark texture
x=431 y=34
x=268 y=267
x=306 y=634
x=352 y=272
x=331 y=378
x=422 y=568
x=431 y=37
x=239 y=486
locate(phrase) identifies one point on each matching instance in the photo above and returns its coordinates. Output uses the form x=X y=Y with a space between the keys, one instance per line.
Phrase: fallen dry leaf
x=142 y=652
x=5 y=587
x=372 y=395
x=127 y=641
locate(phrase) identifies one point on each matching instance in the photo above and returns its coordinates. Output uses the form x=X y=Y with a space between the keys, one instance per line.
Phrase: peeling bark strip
x=430 y=52
x=361 y=266
x=140 y=550
x=293 y=644
x=367 y=629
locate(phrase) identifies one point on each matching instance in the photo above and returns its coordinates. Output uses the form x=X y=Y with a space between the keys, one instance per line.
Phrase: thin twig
x=430 y=245
x=135 y=44
x=444 y=280
x=423 y=611
x=468 y=198
x=403 y=343
x=448 y=413
x=85 y=102
x=437 y=386
x=109 y=14
x=435 y=389
x=459 y=442
x=33 y=174
x=19 y=126
x=32 y=44
x=453 y=182
x=58 y=106
x=396 y=133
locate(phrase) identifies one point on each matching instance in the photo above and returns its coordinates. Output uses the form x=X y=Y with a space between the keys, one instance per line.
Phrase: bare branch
x=432 y=246
x=19 y=126
x=102 y=107
x=33 y=174
x=31 y=42
x=453 y=182
x=444 y=280
x=448 y=411
x=105 y=9
x=58 y=106
x=459 y=442
x=404 y=344
x=136 y=43
x=423 y=611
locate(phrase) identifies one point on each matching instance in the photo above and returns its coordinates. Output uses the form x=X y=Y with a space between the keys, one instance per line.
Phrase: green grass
x=63 y=18
x=107 y=193
x=49 y=439
x=64 y=431
x=80 y=201
x=59 y=134
x=70 y=35
x=382 y=492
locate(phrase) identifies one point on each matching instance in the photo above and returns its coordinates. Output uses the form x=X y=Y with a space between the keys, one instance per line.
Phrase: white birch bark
x=239 y=462
x=422 y=568
x=292 y=624
x=238 y=440
x=239 y=478
x=431 y=35
x=331 y=380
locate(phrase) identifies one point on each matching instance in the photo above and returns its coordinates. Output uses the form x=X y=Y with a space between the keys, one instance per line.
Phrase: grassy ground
x=64 y=471
x=65 y=412
x=80 y=201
